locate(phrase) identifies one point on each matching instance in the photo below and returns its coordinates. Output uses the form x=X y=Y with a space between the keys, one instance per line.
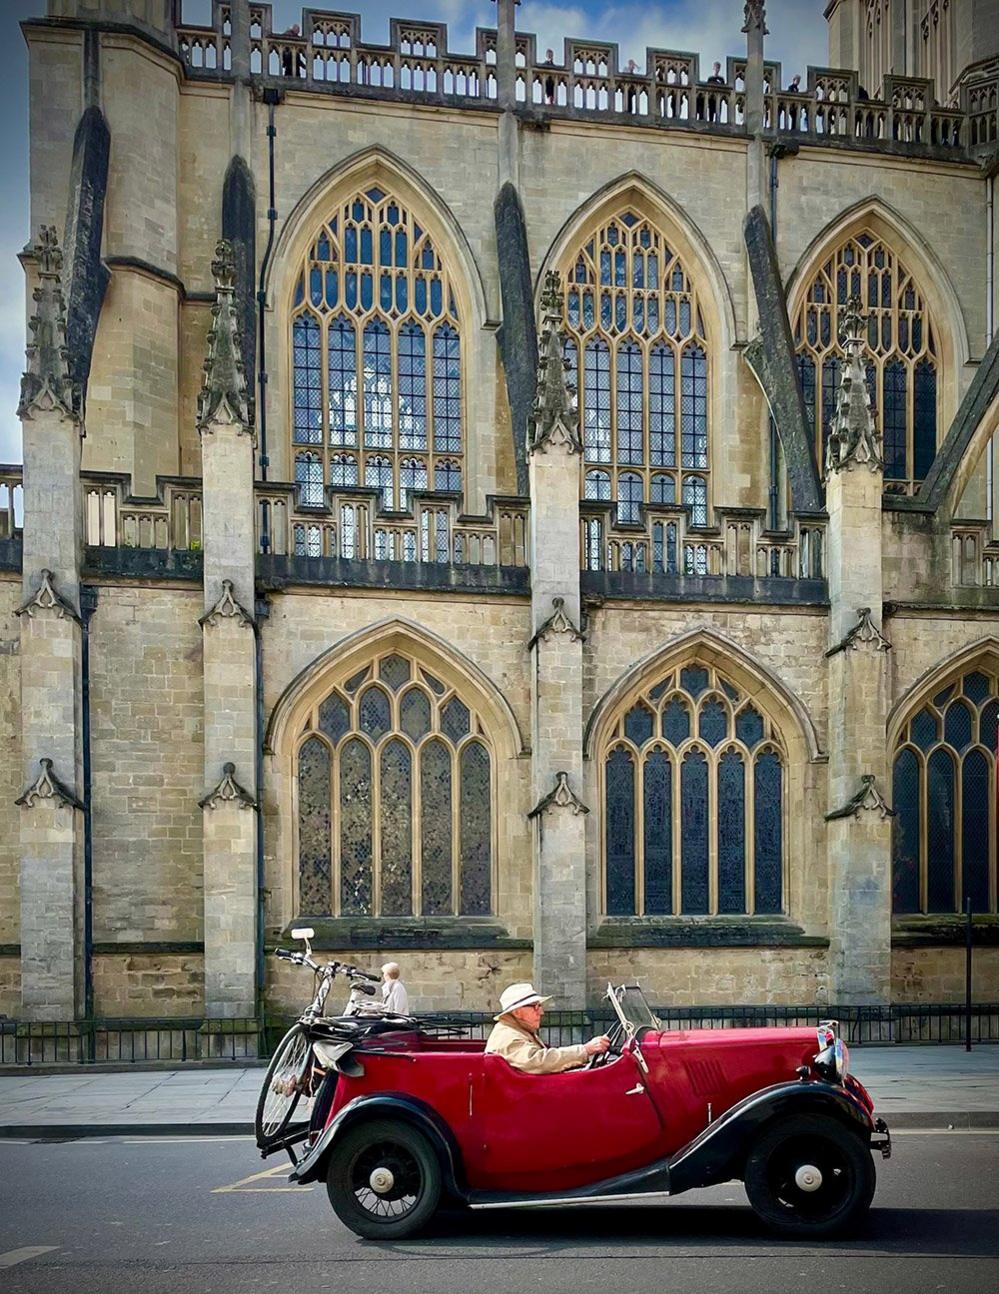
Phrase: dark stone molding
x=769 y=590
x=517 y=336
x=143 y=563
x=702 y=932
x=944 y=931
x=153 y=271
x=149 y=947
x=276 y=572
x=239 y=220
x=771 y=357
x=979 y=395
x=87 y=276
x=337 y=934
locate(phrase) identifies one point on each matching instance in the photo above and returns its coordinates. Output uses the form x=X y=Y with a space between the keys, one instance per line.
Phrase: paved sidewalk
x=912 y=1087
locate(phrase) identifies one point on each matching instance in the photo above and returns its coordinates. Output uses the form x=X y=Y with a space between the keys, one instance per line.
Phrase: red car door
x=549 y=1132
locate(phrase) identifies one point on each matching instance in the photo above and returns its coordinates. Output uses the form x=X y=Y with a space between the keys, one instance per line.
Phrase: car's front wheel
x=383 y=1179
x=810 y=1176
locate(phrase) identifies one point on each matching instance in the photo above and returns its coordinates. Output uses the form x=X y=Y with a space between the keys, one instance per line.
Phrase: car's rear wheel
x=383 y=1179
x=810 y=1176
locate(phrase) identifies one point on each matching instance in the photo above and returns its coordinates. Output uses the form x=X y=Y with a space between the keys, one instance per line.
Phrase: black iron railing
x=182 y=1041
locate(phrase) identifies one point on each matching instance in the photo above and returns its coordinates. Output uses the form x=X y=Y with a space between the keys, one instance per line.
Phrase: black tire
x=412 y=1189
x=282 y=1087
x=794 y=1206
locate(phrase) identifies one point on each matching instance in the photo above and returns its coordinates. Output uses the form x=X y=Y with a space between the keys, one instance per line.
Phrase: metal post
x=967 y=976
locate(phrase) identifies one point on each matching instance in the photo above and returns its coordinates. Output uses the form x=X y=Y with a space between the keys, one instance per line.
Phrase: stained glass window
x=632 y=314
x=376 y=355
x=693 y=801
x=902 y=364
x=944 y=786
x=395 y=798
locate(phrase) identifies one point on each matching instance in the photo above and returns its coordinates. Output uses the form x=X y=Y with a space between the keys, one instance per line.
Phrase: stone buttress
x=229 y=629
x=859 y=828
x=556 y=672
x=52 y=828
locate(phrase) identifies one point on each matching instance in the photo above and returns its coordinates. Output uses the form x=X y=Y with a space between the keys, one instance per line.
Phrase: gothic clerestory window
x=902 y=366
x=395 y=798
x=639 y=354
x=694 y=802
x=944 y=844
x=376 y=358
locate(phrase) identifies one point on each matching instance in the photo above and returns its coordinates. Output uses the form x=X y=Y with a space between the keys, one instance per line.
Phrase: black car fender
x=387 y=1105
x=718 y=1153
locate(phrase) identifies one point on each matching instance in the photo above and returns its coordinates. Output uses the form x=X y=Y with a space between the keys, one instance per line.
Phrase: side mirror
x=303 y=932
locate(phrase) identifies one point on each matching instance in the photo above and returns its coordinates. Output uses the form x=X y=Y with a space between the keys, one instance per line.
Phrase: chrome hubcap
x=381 y=1180
x=808 y=1178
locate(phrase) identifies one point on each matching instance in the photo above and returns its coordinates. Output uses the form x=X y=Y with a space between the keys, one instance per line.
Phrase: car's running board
x=653 y=1179
x=564 y=1201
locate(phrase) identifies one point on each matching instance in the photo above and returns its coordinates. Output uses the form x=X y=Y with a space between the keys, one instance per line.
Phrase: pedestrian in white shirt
x=394 y=995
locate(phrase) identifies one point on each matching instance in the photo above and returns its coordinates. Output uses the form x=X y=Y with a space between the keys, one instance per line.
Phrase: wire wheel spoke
x=403 y=1195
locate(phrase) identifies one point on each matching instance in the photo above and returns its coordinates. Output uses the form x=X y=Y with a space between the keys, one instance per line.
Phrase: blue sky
x=708 y=27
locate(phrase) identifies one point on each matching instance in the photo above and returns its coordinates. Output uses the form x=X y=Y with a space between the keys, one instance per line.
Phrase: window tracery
x=395 y=798
x=376 y=357
x=694 y=786
x=944 y=844
x=902 y=365
x=638 y=351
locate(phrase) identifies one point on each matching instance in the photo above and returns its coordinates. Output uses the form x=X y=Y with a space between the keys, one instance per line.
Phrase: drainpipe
x=774 y=440
x=88 y=605
x=261 y=612
x=990 y=322
x=271 y=98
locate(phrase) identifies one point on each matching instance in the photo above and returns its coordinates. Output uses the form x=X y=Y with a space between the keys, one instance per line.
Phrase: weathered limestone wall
x=713 y=976
x=146 y=735
x=11 y=775
x=132 y=405
x=937 y=974
x=138 y=985
x=55 y=103
x=134 y=382
x=10 y=986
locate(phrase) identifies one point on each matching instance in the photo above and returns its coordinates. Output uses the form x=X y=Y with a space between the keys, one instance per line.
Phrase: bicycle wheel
x=283 y=1085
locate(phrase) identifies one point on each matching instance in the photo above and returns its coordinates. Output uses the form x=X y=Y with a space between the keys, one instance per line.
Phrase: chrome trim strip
x=565 y=1200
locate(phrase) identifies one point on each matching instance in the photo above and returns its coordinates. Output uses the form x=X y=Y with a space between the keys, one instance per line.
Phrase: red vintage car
x=405 y=1122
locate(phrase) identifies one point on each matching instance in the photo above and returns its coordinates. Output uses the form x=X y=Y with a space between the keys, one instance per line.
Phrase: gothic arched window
x=376 y=357
x=694 y=791
x=636 y=342
x=902 y=356
x=944 y=797
x=395 y=798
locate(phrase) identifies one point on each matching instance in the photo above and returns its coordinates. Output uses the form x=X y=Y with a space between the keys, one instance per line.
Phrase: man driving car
x=515 y=1036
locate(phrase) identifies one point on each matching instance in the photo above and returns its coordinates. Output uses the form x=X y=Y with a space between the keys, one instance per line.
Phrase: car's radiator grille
x=706 y=1076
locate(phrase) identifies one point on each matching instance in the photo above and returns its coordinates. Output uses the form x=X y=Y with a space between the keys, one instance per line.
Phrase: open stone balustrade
x=328 y=55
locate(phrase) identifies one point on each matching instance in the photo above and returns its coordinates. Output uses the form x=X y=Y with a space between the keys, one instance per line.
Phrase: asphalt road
x=158 y=1216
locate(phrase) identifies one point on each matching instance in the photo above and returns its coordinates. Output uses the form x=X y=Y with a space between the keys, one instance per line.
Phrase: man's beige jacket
x=525 y=1050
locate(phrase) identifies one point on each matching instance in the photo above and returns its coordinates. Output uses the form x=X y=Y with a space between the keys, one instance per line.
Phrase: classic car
x=405 y=1123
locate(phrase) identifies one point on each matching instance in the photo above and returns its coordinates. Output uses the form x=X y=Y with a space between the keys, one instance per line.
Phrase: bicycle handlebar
x=332 y=968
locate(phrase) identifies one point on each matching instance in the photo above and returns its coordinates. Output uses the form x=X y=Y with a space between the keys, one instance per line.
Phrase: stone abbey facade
x=522 y=516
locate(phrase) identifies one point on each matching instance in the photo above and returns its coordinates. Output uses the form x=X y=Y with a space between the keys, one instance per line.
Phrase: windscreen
x=630 y=1004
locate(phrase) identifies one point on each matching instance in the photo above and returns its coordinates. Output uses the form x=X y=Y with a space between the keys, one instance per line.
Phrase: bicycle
x=295 y=1065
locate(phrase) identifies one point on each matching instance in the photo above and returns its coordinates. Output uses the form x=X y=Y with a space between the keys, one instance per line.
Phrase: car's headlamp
x=833 y=1059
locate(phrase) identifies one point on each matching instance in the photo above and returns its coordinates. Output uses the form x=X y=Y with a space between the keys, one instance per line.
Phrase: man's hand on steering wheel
x=596 y=1049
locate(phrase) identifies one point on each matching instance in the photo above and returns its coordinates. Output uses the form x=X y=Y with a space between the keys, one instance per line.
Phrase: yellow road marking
x=269 y=1174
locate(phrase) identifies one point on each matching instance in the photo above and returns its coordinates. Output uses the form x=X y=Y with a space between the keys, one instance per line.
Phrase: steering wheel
x=604 y=1057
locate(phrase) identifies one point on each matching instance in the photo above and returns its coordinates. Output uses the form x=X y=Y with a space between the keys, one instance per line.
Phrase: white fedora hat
x=518 y=995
